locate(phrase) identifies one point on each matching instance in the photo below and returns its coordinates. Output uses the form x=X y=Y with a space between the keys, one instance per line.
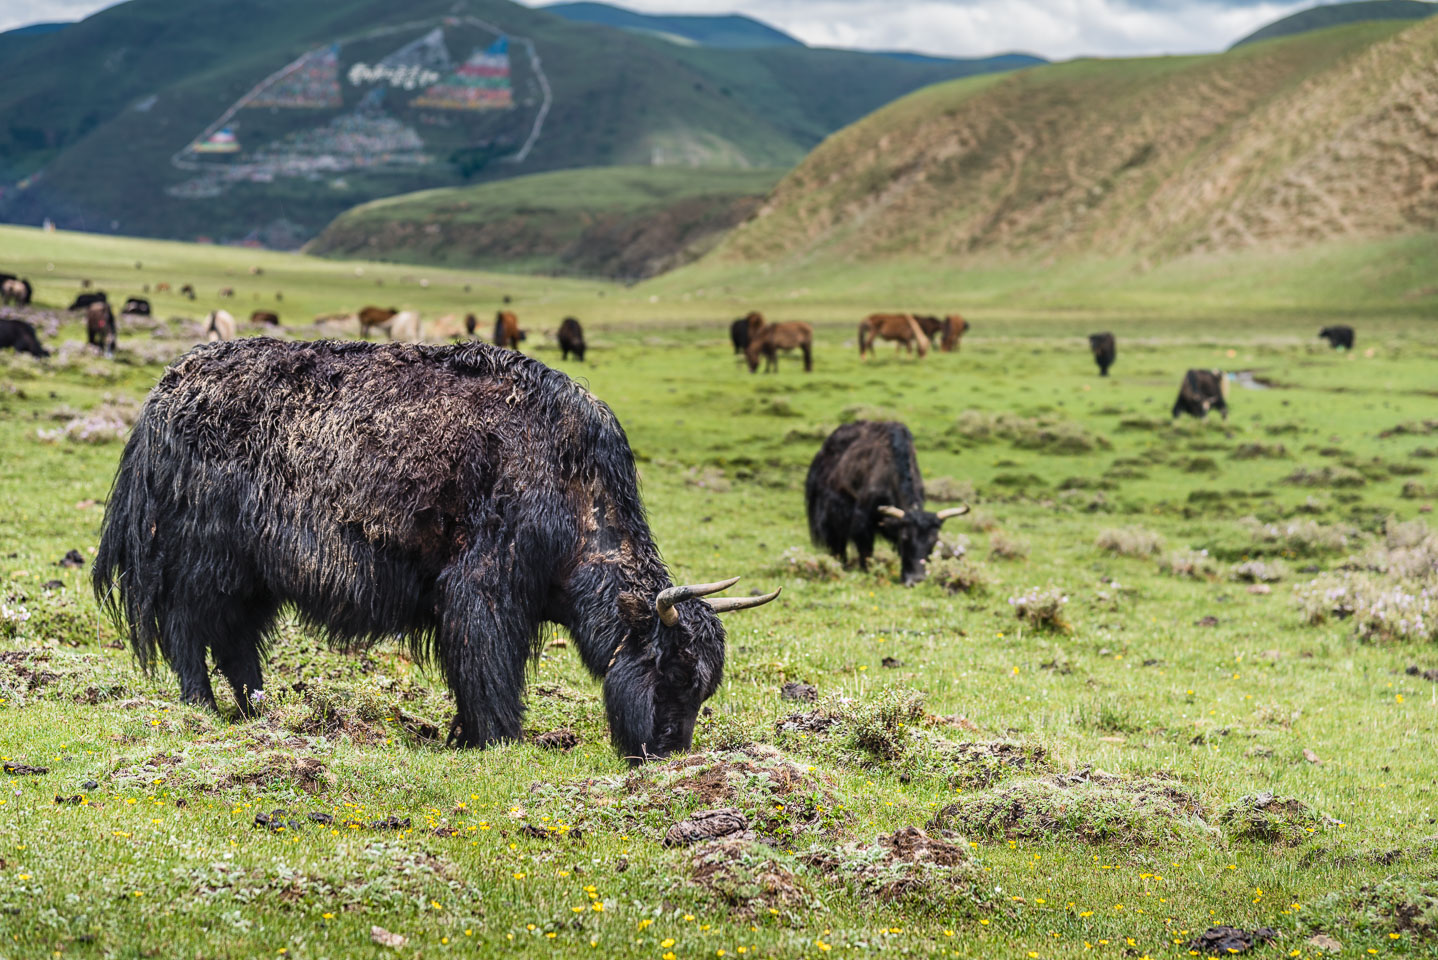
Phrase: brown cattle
x=902 y=328
x=768 y=339
x=374 y=317
x=100 y=326
x=265 y=316
x=506 y=330
x=954 y=328
x=227 y=291
x=162 y=287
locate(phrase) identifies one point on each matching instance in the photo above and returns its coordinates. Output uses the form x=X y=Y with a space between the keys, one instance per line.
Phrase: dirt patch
x=802 y=692
x=908 y=867
x=562 y=739
x=981 y=764
x=745 y=875
x=308 y=773
x=1405 y=905
x=1091 y=806
x=26 y=666
x=778 y=799
x=25 y=770
x=1224 y=940
x=1266 y=818
x=724 y=823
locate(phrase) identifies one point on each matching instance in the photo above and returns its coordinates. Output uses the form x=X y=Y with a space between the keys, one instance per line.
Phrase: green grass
x=572 y=221
x=1175 y=722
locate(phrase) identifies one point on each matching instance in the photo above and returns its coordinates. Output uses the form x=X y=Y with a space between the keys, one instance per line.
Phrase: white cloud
x=1057 y=29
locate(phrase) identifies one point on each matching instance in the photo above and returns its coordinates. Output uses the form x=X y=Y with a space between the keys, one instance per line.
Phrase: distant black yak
x=739 y=334
x=83 y=300
x=571 y=338
x=865 y=479
x=1104 y=351
x=457 y=496
x=138 y=306
x=1339 y=336
x=1202 y=391
x=18 y=335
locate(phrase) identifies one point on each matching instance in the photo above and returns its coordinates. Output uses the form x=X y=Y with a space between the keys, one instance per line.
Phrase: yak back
x=870 y=459
x=352 y=476
x=20 y=336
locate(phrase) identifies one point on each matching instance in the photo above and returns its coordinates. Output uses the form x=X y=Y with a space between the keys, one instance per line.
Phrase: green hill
x=626 y=223
x=1339 y=14
x=732 y=31
x=262 y=120
x=1272 y=146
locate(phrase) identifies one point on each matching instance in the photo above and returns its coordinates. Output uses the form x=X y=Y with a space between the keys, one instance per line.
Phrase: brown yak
x=954 y=328
x=506 y=330
x=374 y=317
x=902 y=328
x=767 y=339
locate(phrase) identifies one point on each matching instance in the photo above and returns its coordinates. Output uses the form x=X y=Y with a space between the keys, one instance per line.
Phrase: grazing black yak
x=83 y=300
x=1339 y=336
x=739 y=333
x=18 y=335
x=571 y=338
x=864 y=479
x=1104 y=351
x=457 y=496
x=1202 y=391
x=100 y=326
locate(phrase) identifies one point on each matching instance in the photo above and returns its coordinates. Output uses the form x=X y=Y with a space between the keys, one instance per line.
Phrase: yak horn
x=669 y=596
x=894 y=512
x=726 y=604
x=952 y=512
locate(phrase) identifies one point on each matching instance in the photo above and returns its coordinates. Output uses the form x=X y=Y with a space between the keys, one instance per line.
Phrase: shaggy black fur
x=571 y=338
x=1104 y=351
x=20 y=336
x=1339 y=336
x=861 y=467
x=138 y=306
x=83 y=300
x=100 y=326
x=457 y=496
x=1202 y=391
x=739 y=334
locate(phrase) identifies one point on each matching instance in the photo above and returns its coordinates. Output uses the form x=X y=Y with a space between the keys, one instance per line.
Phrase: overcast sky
x=1057 y=29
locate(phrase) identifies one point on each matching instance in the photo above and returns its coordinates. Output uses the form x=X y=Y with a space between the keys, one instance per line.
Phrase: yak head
x=914 y=533
x=670 y=662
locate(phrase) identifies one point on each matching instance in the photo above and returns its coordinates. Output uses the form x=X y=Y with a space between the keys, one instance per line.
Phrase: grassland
x=625 y=223
x=1092 y=770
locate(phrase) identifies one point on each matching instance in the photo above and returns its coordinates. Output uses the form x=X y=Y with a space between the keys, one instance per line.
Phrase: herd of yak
x=459 y=497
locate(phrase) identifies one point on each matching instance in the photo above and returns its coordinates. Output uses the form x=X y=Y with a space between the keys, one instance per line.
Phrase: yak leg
x=861 y=531
x=808 y=350
x=483 y=657
x=240 y=629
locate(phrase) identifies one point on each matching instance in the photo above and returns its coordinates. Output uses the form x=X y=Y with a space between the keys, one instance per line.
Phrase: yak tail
x=128 y=575
x=863 y=332
x=1222 y=385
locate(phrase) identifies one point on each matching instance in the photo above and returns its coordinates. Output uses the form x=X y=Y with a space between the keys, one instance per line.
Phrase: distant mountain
x=626 y=223
x=732 y=32
x=262 y=120
x=1337 y=14
x=14 y=42
x=1305 y=139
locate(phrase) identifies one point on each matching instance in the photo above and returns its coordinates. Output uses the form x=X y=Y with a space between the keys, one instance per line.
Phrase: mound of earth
x=1266 y=818
x=745 y=876
x=1090 y=806
x=909 y=867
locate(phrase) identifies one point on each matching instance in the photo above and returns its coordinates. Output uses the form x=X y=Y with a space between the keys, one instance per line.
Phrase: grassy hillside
x=1338 y=14
x=1274 y=147
x=627 y=223
x=95 y=118
x=732 y=31
x=1099 y=779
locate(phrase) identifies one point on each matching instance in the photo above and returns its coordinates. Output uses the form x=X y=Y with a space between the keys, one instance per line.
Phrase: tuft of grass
x=1130 y=541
